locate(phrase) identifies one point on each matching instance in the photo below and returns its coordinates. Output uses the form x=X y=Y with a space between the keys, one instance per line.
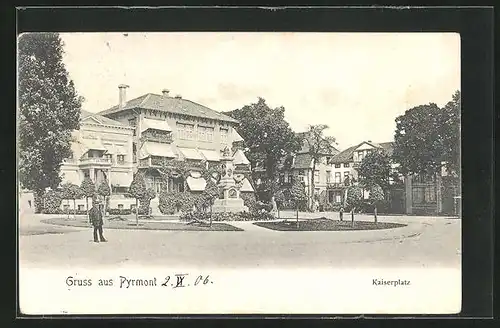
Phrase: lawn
x=126 y=224
x=324 y=224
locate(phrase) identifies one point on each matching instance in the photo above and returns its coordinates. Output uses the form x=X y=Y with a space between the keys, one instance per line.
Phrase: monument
x=229 y=199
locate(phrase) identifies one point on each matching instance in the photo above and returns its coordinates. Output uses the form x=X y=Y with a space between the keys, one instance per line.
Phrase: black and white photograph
x=239 y=172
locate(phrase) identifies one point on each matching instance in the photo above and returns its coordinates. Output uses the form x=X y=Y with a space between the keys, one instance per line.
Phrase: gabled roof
x=171 y=105
x=345 y=156
x=98 y=118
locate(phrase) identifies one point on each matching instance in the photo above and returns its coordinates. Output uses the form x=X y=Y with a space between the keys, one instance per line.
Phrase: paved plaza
x=430 y=242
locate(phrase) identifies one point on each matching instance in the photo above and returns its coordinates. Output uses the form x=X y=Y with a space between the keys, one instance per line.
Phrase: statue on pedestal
x=230 y=200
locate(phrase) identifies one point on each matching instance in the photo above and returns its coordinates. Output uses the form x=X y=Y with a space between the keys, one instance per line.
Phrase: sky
x=356 y=83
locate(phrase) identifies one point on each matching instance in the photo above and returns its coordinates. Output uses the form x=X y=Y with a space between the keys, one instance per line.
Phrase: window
x=185 y=131
x=337 y=166
x=337 y=177
x=316 y=176
x=223 y=135
x=360 y=156
x=109 y=157
x=346 y=164
x=81 y=207
x=430 y=194
x=205 y=133
x=132 y=206
x=120 y=159
x=424 y=194
x=120 y=206
x=328 y=159
x=346 y=175
x=328 y=173
x=132 y=122
x=290 y=178
x=66 y=207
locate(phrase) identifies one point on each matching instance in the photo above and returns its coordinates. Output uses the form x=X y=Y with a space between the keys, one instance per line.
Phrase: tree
x=66 y=194
x=210 y=194
x=76 y=193
x=49 y=110
x=353 y=200
x=375 y=198
x=88 y=190
x=428 y=137
x=318 y=145
x=375 y=169
x=268 y=139
x=279 y=197
x=145 y=201
x=451 y=127
x=297 y=195
x=104 y=191
x=137 y=190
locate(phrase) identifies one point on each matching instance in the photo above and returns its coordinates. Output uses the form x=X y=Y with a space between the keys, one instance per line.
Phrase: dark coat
x=95 y=216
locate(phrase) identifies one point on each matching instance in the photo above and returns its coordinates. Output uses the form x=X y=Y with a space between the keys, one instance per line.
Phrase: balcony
x=166 y=138
x=95 y=161
x=335 y=185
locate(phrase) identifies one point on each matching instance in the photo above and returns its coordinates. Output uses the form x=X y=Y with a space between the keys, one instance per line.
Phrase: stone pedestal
x=229 y=200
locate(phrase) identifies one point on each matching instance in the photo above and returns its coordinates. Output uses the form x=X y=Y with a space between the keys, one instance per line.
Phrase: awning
x=246 y=187
x=196 y=184
x=93 y=144
x=236 y=136
x=154 y=124
x=240 y=158
x=156 y=149
x=191 y=153
x=121 y=179
x=121 y=150
x=71 y=176
x=211 y=155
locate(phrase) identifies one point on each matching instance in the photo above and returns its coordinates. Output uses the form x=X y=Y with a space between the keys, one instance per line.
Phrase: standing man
x=95 y=217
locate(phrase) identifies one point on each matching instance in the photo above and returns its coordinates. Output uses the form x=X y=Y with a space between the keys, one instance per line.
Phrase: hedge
x=226 y=216
x=171 y=202
x=118 y=211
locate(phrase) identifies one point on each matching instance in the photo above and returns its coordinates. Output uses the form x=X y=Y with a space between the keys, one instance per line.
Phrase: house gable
x=364 y=146
x=91 y=120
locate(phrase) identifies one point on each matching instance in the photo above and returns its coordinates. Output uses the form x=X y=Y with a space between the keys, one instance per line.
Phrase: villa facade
x=145 y=134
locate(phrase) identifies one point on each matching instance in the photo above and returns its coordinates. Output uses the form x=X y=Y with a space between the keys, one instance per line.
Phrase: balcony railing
x=335 y=185
x=157 y=138
x=96 y=160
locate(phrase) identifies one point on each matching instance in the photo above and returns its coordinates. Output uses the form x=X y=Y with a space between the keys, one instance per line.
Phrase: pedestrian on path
x=95 y=217
x=341 y=213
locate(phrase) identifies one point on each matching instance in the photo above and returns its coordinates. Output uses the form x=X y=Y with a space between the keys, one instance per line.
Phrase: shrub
x=142 y=211
x=52 y=201
x=249 y=200
x=226 y=216
x=117 y=211
x=171 y=202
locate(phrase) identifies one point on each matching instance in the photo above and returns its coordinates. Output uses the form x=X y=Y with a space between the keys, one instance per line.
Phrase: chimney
x=178 y=96
x=165 y=92
x=122 y=95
